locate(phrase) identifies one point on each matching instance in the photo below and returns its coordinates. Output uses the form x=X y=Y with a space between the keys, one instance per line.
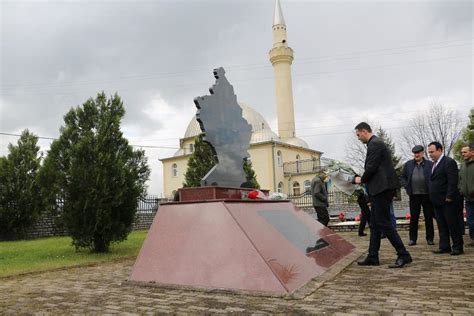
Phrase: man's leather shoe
x=457 y=252
x=369 y=262
x=441 y=251
x=362 y=234
x=430 y=242
x=411 y=243
x=401 y=261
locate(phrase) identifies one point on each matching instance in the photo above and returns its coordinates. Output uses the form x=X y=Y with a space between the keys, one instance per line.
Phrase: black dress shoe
x=411 y=243
x=401 y=262
x=430 y=242
x=369 y=262
x=441 y=251
x=457 y=252
x=362 y=234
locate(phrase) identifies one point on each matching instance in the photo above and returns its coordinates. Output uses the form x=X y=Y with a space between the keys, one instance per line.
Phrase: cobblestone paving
x=431 y=285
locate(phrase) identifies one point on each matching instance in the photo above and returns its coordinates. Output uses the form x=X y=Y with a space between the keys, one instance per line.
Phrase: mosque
x=283 y=163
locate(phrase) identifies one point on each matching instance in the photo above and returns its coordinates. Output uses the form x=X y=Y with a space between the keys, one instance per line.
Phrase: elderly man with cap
x=415 y=179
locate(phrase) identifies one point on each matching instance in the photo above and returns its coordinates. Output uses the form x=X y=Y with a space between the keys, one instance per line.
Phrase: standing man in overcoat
x=444 y=195
x=381 y=182
x=466 y=186
x=415 y=178
x=320 y=198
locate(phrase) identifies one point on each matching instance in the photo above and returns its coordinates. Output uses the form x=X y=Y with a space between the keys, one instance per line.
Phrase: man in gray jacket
x=466 y=186
x=415 y=179
x=320 y=197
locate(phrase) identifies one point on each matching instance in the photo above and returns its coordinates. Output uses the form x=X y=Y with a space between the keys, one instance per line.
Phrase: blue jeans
x=470 y=218
x=393 y=219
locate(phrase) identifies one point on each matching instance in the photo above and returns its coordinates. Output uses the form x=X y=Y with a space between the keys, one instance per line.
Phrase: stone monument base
x=261 y=246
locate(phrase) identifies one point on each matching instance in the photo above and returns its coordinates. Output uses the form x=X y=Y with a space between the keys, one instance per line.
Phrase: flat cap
x=417 y=149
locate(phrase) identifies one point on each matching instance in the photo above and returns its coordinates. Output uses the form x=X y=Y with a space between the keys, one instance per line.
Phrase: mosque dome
x=295 y=141
x=261 y=131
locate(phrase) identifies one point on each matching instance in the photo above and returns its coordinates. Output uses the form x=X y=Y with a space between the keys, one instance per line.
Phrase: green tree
x=380 y=132
x=201 y=161
x=250 y=173
x=467 y=137
x=97 y=174
x=20 y=202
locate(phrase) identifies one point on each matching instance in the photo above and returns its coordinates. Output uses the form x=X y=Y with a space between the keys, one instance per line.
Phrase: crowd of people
x=436 y=186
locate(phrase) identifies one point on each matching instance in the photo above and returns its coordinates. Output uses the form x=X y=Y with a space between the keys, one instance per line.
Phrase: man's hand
x=448 y=200
x=357 y=180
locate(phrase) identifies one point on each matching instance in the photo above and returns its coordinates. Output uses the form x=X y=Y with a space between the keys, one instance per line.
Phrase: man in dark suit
x=445 y=197
x=415 y=179
x=381 y=182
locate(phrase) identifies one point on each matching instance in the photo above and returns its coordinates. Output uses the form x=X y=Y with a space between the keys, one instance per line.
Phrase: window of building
x=280 y=187
x=191 y=148
x=296 y=188
x=174 y=170
x=307 y=186
x=279 y=158
x=298 y=157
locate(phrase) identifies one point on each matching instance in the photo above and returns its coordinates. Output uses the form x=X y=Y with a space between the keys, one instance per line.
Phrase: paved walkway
x=432 y=285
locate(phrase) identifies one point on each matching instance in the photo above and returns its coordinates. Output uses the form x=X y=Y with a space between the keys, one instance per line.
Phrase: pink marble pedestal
x=258 y=246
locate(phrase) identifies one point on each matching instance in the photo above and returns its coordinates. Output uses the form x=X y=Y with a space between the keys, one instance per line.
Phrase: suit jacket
x=379 y=174
x=407 y=172
x=319 y=192
x=444 y=182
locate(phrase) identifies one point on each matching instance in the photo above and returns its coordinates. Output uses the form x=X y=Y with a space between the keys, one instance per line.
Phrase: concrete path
x=431 y=285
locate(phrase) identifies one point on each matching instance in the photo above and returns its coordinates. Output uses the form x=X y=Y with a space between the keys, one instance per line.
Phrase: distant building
x=283 y=163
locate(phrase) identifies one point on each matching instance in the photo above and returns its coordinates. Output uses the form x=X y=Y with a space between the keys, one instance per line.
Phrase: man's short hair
x=363 y=125
x=437 y=145
x=469 y=145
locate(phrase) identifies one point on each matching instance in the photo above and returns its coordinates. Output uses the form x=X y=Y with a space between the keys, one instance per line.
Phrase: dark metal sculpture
x=220 y=118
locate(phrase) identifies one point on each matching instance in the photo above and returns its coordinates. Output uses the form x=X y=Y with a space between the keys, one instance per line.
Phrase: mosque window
x=279 y=159
x=296 y=188
x=174 y=170
x=280 y=187
x=307 y=186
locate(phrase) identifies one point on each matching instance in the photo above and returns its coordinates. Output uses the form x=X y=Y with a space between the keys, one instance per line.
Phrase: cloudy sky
x=384 y=61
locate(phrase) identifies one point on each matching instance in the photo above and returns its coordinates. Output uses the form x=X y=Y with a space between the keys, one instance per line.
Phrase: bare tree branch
x=439 y=124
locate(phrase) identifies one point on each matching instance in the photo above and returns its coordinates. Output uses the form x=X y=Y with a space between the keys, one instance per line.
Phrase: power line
x=133 y=145
x=343 y=56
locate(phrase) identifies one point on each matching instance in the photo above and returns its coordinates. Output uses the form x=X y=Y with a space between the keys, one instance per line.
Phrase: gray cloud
x=353 y=60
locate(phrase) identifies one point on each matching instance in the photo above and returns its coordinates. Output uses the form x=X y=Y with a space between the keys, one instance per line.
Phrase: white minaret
x=281 y=57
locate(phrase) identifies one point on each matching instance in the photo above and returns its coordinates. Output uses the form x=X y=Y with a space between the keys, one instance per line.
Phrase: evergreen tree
x=97 y=173
x=203 y=159
x=20 y=202
x=391 y=146
x=200 y=162
x=250 y=173
x=467 y=137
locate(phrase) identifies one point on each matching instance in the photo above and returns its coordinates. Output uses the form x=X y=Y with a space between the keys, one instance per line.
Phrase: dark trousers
x=416 y=202
x=323 y=214
x=364 y=218
x=447 y=216
x=380 y=222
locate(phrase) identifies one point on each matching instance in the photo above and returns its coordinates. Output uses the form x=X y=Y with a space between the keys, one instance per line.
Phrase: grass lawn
x=55 y=252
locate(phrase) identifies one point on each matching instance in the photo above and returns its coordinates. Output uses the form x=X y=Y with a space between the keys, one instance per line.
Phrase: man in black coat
x=381 y=182
x=444 y=195
x=415 y=179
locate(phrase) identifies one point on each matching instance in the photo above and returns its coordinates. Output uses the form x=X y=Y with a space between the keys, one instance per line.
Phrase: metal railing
x=301 y=166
